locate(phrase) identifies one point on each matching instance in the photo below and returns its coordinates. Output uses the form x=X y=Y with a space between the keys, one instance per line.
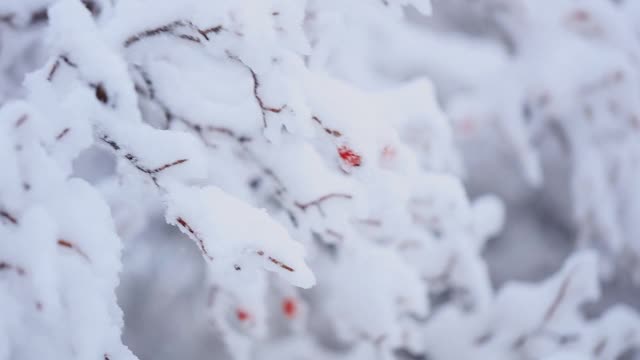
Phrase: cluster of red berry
x=289 y=309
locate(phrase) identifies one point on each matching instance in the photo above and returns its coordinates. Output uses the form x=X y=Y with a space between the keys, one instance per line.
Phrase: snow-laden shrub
x=265 y=132
x=555 y=86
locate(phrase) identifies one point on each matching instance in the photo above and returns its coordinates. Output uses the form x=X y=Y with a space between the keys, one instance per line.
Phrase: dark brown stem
x=559 y=298
x=549 y=313
x=21 y=120
x=6 y=215
x=276 y=261
x=329 y=131
x=62 y=134
x=4 y=266
x=152 y=172
x=69 y=245
x=62 y=59
x=182 y=222
x=256 y=85
x=318 y=202
x=169 y=29
x=37 y=17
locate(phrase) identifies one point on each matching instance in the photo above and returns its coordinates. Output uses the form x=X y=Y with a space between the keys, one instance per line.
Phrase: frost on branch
x=539 y=321
x=550 y=113
x=274 y=135
x=59 y=253
x=249 y=234
x=119 y=127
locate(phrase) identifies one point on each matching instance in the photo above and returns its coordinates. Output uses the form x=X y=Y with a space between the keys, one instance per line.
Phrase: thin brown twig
x=8 y=216
x=256 y=85
x=555 y=304
x=329 y=131
x=69 y=245
x=56 y=65
x=5 y=266
x=36 y=18
x=170 y=28
x=152 y=172
x=276 y=261
x=21 y=120
x=318 y=202
x=182 y=222
x=62 y=134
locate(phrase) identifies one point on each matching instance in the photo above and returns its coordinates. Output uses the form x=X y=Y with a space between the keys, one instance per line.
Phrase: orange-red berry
x=242 y=315
x=289 y=307
x=349 y=156
x=388 y=152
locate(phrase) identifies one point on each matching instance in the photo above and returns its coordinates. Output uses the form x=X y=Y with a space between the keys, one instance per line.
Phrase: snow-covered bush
x=60 y=254
x=555 y=86
x=273 y=135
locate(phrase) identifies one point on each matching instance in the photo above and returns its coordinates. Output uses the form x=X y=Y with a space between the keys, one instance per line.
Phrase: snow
x=243 y=234
x=312 y=159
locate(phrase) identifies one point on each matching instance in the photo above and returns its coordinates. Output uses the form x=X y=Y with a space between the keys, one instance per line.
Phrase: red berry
x=289 y=307
x=349 y=156
x=388 y=152
x=242 y=315
x=468 y=126
x=580 y=15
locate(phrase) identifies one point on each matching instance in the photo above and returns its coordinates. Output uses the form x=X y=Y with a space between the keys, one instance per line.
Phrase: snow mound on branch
x=244 y=235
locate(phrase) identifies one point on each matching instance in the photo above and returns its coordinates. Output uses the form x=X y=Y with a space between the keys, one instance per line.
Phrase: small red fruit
x=580 y=15
x=289 y=307
x=349 y=156
x=388 y=152
x=242 y=315
x=468 y=126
